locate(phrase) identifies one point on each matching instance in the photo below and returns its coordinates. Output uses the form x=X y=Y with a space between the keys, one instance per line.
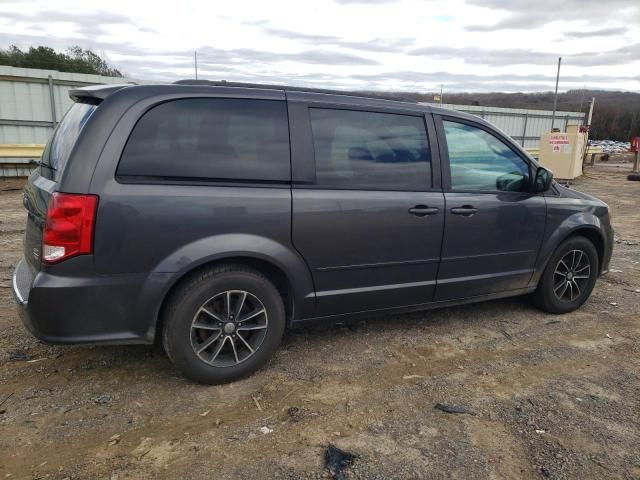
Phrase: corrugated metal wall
x=32 y=101
x=523 y=125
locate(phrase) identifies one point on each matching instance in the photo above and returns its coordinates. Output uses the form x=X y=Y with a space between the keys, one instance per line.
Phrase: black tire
x=634 y=177
x=547 y=298
x=184 y=306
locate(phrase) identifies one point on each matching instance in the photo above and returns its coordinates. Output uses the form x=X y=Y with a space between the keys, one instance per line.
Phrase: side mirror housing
x=542 y=180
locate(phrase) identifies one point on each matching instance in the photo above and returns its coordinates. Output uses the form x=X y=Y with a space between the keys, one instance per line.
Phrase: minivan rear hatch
x=43 y=182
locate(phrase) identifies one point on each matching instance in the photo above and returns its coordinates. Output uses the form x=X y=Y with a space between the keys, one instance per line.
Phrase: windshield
x=65 y=136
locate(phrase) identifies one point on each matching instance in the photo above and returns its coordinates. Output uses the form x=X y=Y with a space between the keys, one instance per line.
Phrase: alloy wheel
x=571 y=275
x=229 y=328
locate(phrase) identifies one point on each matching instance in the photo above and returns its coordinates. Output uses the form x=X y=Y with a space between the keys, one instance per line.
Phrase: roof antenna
x=195 y=62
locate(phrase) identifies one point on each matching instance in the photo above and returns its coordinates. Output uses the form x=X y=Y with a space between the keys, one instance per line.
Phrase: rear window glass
x=65 y=136
x=369 y=150
x=225 y=139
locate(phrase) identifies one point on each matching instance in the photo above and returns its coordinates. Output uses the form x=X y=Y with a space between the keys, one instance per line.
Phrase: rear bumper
x=80 y=309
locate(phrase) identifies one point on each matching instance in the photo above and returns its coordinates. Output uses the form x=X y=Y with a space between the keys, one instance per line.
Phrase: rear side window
x=369 y=150
x=66 y=135
x=210 y=138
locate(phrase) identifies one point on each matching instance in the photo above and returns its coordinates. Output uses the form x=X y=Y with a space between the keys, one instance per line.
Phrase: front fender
x=558 y=232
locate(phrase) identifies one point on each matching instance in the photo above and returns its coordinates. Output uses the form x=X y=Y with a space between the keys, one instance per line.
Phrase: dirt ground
x=551 y=396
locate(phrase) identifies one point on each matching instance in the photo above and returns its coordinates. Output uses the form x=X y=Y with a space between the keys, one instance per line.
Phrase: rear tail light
x=68 y=228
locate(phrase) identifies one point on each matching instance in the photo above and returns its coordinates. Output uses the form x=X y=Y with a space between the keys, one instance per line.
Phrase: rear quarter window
x=65 y=136
x=210 y=139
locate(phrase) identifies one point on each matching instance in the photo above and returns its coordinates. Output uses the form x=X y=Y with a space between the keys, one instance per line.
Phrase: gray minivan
x=215 y=215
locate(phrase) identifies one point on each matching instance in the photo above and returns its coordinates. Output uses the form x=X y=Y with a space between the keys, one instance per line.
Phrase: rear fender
x=217 y=248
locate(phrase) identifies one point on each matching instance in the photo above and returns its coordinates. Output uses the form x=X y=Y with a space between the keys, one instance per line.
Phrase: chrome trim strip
x=375 y=288
x=14 y=282
x=400 y=263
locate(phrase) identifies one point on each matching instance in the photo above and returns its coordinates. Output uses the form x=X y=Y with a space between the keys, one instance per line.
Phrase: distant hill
x=616 y=115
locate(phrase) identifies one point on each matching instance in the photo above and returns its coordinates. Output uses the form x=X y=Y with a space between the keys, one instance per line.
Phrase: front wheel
x=569 y=277
x=223 y=324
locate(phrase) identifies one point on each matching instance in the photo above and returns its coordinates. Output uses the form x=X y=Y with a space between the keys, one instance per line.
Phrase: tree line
x=74 y=60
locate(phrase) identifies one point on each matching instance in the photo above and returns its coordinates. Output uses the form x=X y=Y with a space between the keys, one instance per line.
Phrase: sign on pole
x=560 y=143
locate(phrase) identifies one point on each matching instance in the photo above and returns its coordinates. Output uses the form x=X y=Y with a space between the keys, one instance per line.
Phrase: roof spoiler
x=95 y=94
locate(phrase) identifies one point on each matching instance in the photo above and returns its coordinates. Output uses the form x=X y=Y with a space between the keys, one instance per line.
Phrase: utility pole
x=555 y=97
x=195 y=62
x=582 y=102
x=441 y=88
x=593 y=101
x=588 y=125
x=633 y=120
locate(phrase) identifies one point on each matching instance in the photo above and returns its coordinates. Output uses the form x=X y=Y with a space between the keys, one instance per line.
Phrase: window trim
x=302 y=110
x=444 y=155
x=195 y=181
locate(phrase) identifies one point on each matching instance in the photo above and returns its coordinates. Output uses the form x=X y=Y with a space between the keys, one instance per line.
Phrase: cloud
x=513 y=56
x=291 y=35
x=89 y=24
x=603 y=32
x=380 y=45
x=525 y=14
x=249 y=58
x=364 y=2
x=90 y=18
x=484 y=56
x=310 y=57
x=487 y=82
x=397 y=45
x=619 y=56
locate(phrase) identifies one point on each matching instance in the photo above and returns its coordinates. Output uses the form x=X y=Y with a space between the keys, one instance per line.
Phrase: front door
x=369 y=222
x=494 y=225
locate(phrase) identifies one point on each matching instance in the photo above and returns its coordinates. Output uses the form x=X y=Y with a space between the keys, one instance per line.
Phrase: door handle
x=423 y=211
x=465 y=210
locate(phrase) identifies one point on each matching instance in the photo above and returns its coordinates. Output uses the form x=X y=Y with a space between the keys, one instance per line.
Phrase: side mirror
x=542 y=181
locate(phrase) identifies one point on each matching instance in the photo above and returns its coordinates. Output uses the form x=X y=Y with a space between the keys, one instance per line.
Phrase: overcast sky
x=470 y=45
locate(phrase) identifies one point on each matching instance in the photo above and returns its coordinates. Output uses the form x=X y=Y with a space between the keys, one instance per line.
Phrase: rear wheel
x=223 y=324
x=569 y=277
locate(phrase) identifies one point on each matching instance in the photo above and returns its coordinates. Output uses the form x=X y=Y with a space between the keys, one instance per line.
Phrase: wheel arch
x=284 y=267
x=274 y=273
x=591 y=232
x=595 y=237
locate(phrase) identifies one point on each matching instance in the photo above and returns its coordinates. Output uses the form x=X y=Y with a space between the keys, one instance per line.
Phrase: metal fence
x=32 y=102
x=523 y=125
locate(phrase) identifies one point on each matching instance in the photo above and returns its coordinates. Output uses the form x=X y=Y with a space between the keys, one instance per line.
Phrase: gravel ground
x=547 y=396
